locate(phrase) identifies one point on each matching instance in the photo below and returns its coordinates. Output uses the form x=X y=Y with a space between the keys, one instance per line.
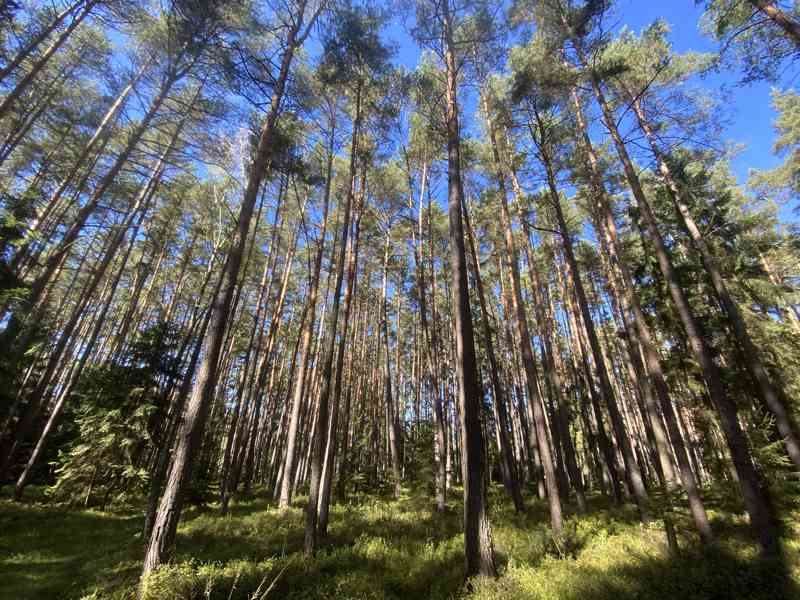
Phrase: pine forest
x=397 y=299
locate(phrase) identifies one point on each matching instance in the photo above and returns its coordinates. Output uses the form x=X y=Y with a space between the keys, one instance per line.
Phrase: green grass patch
x=381 y=549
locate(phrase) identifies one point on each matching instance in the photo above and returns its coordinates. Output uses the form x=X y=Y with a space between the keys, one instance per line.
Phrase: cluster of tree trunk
x=310 y=316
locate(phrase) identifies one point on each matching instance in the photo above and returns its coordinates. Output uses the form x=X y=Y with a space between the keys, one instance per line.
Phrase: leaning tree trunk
x=37 y=40
x=330 y=448
x=769 y=394
x=80 y=162
x=623 y=439
x=535 y=400
x=754 y=493
x=232 y=462
x=24 y=83
x=607 y=229
x=789 y=25
x=38 y=394
x=190 y=431
x=508 y=467
x=33 y=303
x=140 y=207
x=306 y=335
x=168 y=441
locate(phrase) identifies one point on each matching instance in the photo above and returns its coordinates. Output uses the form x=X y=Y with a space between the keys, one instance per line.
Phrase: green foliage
x=770 y=452
x=749 y=41
x=236 y=579
x=419 y=456
x=14 y=214
x=784 y=181
x=353 y=49
x=118 y=408
x=104 y=458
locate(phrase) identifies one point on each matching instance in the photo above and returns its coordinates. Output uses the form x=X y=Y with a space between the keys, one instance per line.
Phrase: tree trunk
x=33 y=303
x=319 y=440
x=140 y=207
x=507 y=464
x=769 y=394
x=193 y=421
x=524 y=338
x=755 y=495
x=80 y=161
x=607 y=230
x=391 y=410
x=789 y=25
x=24 y=83
x=330 y=448
x=39 y=393
x=37 y=40
x=478 y=546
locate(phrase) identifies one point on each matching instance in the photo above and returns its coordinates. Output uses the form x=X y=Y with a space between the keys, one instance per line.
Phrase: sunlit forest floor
x=381 y=548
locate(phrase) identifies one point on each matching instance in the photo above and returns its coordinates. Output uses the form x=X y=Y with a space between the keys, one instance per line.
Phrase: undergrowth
x=382 y=548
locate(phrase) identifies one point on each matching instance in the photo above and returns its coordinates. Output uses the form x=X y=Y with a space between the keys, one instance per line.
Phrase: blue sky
x=749 y=114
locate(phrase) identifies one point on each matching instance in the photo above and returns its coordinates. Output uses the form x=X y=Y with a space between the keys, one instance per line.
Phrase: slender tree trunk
x=391 y=410
x=608 y=234
x=330 y=448
x=193 y=421
x=623 y=440
x=439 y=419
x=247 y=456
x=478 y=546
x=755 y=495
x=508 y=466
x=168 y=441
x=306 y=335
x=38 y=39
x=318 y=445
x=80 y=162
x=233 y=457
x=139 y=208
x=769 y=394
x=23 y=84
x=31 y=114
x=39 y=393
x=526 y=350
x=33 y=304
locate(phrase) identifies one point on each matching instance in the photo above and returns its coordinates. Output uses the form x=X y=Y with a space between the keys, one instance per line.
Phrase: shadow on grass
x=381 y=548
x=350 y=573
x=714 y=575
x=52 y=552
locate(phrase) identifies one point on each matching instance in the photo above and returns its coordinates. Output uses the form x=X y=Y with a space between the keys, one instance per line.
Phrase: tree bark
x=755 y=495
x=478 y=546
x=769 y=394
x=306 y=336
x=330 y=448
x=193 y=421
x=789 y=25
x=24 y=83
x=507 y=465
x=38 y=39
x=319 y=439
x=526 y=350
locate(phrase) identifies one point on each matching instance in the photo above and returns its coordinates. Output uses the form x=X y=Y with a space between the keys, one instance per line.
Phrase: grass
x=381 y=549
